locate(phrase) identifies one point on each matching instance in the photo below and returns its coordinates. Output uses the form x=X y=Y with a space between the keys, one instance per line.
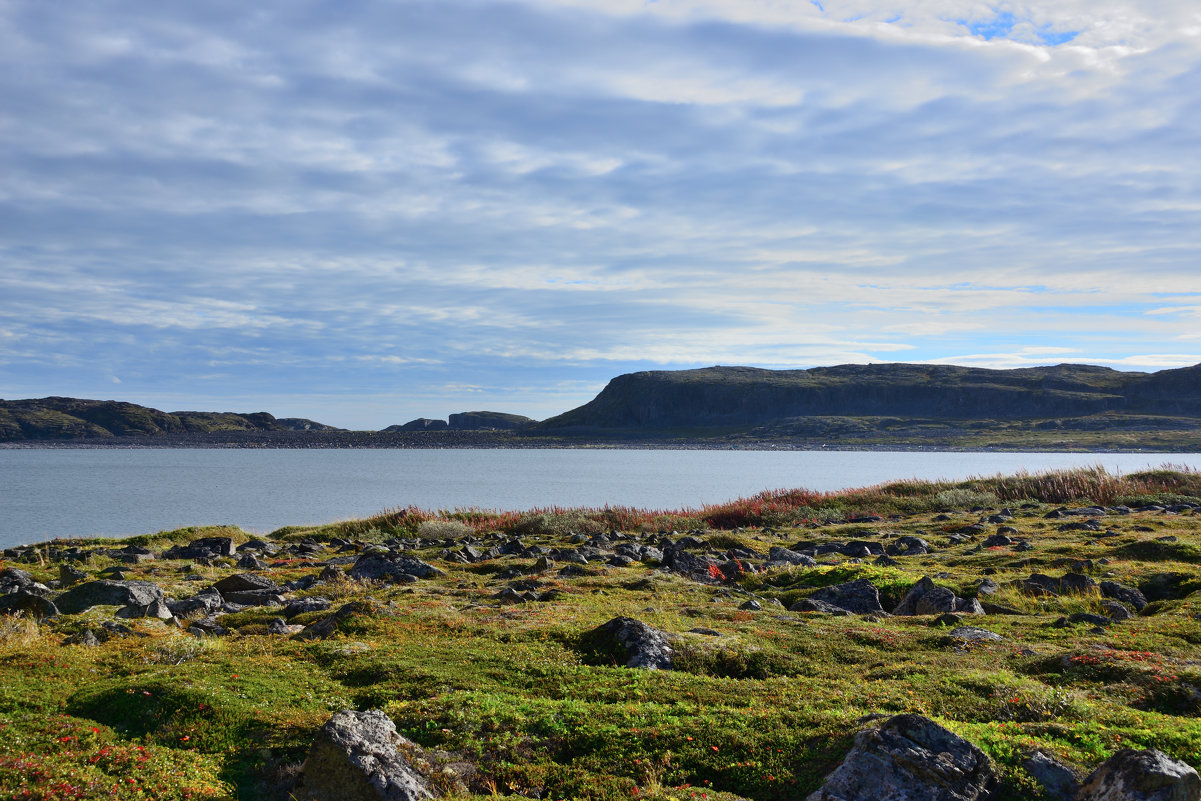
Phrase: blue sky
x=366 y=212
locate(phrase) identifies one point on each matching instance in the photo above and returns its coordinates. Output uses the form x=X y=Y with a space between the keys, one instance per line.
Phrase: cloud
x=541 y=194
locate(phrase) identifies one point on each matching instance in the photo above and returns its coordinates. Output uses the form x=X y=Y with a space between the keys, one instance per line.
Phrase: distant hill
x=739 y=397
x=74 y=418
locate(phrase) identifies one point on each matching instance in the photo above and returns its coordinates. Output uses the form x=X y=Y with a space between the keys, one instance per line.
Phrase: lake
x=46 y=493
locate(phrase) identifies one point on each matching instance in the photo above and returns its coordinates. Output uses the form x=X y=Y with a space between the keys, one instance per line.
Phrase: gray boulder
x=390 y=566
x=1123 y=594
x=821 y=607
x=359 y=756
x=328 y=625
x=245 y=582
x=28 y=603
x=859 y=596
x=108 y=593
x=909 y=758
x=13 y=579
x=968 y=634
x=927 y=598
x=1150 y=775
x=632 y=643
x=1058 y=780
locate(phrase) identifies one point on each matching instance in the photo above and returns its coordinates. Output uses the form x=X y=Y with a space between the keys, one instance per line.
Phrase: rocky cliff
x=747 y=396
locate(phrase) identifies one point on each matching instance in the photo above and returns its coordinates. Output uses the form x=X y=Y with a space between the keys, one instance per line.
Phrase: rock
x=1059 y=781
x=1150 y=775
x=207 y=627
x=326 y=626
x=391 y=566
x=314 y=603
x=859 y=596
x=203 y=548
x=70 y=574
x=1094 y=620
x=632 y=643
x=973 y=634
x=1038 y=585
x=108 y=593
x=199 y=605
x=1076 y=582
x=156 y=609
x=908 y=546
x=358 y=756
x=250 y=561
x=29 y=603
x=909 y=758
x=255 y=598
x=12 y=579
x=1116 y=611
x=813 y=605
x=86 y=638
x=245 y=582
x=1126 y=595
x=751 y=606
x=927 y=598
x=778 y=554
x=697 y=568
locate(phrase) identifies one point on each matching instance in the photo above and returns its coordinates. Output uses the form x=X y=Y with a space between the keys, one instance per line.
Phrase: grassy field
x=761 y=704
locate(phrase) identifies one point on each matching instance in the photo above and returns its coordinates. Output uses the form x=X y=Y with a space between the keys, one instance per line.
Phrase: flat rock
x=974 y=634
x=245 y=582
x=108 y=593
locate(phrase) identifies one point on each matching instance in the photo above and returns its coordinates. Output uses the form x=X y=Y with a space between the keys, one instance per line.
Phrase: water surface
x=110 y=492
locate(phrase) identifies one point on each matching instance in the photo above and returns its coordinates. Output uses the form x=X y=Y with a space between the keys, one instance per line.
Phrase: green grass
x=761 y=710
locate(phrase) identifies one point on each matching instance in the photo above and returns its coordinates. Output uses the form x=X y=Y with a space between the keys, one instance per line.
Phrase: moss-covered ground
x=761 y=705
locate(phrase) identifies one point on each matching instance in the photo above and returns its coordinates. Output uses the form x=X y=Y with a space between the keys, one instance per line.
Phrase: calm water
x=56 y=493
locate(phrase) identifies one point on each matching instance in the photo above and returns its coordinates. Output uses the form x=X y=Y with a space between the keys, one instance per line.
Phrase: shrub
x=444 y=530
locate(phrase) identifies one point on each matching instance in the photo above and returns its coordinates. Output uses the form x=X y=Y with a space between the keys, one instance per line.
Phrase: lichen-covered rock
x=859 y=596
x=245 y=582
x=391 y=566
x=632 y=643
x=108 y=593
x=326 y=626
x=1131 y=775
x=358 y=756
x=909 y=758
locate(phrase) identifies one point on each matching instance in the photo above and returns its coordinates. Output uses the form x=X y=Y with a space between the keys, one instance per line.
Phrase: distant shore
x=350 y=440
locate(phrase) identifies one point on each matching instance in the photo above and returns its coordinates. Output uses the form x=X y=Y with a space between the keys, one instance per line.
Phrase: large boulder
x=859 y=596
x=927 y=598
x=631 y=643
x=245 y=582
x=359 y=756
x=1123 y=594
x=1150 y=775
x=13 y=579
x=138 y=594
x=909 y=758
x=391 y=566
x=29 y=603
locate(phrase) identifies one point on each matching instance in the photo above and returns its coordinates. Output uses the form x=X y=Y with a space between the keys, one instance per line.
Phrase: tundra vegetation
x=475 y=632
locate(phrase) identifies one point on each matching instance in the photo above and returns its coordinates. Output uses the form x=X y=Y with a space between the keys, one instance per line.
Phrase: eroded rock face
x=1150 y=775
x=909 y=758
x=358 y=756
x=633 y=642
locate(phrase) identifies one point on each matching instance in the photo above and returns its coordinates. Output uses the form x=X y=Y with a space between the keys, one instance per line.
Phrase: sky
x=367 y=212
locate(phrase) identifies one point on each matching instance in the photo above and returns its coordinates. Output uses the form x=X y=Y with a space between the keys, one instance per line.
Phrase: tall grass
x=782 y=508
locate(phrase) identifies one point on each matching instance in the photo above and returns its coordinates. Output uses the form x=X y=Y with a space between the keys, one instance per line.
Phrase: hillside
x=716 y=397
x=73 y=418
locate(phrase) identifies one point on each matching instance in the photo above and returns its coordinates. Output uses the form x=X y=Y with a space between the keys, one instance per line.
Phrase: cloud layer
x=366 y=212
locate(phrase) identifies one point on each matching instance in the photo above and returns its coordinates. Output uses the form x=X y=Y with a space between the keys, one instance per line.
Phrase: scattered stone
x=909 y=758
